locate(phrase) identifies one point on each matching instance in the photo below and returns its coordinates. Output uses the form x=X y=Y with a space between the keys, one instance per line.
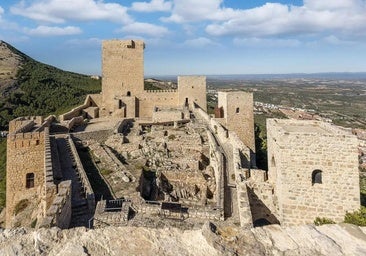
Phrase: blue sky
x=194 y=36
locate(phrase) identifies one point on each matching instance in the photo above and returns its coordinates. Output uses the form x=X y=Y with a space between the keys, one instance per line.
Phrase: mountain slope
x=28 y=87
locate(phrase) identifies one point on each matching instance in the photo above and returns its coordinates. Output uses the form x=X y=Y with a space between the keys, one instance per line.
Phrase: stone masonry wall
x=148 y=100
x=25 y=154
x=193 y=90
x=295 y=150
x=122 y=69
x=238 y=112
x=59 y=212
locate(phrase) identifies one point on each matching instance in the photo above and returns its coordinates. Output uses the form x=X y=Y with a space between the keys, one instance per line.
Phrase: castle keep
x=135 y=156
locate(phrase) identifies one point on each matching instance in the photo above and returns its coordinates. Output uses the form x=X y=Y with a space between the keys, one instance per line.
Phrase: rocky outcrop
x=343 y=239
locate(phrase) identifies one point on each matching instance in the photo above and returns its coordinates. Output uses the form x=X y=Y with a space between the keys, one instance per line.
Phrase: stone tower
x=237 y=110
x=314 y=169
x=192 y=89
x=24 y=168
x=122 y=73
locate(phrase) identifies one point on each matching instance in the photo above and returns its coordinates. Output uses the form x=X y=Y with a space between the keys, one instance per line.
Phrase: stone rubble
x=341 y=239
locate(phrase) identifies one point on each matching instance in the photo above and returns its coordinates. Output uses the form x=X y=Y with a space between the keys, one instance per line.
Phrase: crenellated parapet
x=59 y=212
x=161 y=91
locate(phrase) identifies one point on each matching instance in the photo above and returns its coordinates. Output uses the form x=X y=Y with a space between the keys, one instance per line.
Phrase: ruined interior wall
x=292 y=159
x=238 y=112
x=59 y=212
x=25 y=154
x=77 y=111
x=122 y=70
x=245 y=215
x=149 y=99
x=192 y=88
x=167 y=115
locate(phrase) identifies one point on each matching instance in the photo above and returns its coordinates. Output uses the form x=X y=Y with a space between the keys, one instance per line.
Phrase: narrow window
x=237 y=110
x=316 y=177
x=29 y=180
x=186 y=103
x=273 y=161
x=128 y=93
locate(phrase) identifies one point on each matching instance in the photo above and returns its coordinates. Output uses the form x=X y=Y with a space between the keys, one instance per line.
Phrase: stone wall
x=99 y=136
x=149 y=99
x=297 y=150
x=192 y=89
x=24 y=124
x=122 y=69
x=89 y=193
x=78 y=111
x=59 y=212
x=217 y=162
x=167 y=115
x=25 y=155
x=238 y=112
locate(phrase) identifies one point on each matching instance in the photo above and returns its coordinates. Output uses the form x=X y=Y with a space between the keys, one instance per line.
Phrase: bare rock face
x=343 y=239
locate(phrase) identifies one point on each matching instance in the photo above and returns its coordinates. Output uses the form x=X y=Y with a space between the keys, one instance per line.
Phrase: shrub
x=105 y=172
x=321 y=221
x=357 y=217
x=21 y=206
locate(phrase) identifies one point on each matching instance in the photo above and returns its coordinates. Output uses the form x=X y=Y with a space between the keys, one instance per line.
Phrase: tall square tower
x=237 y=109
x=122 y=70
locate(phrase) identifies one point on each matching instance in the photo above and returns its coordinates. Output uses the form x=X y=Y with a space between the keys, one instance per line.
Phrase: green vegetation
x=321 y=221
x=2 y=172
x=105 y=172
x=33 y=223
x=21 y=205
x=363 y=189
x=44 y=90
x=357 y=218
x=151 y=86
x=98 y=184
x=261 y=146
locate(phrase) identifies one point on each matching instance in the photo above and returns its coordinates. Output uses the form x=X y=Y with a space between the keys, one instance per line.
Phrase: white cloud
x=266 y=42
x=200 y=42
x=1 y=11
x=193 y=10
x=53 y=31
x=272 y=19
x=145 y=29
x=152 y=6
x=60 y=11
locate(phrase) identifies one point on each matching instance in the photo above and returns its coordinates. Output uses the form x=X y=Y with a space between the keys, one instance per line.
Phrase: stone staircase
x=80 y=211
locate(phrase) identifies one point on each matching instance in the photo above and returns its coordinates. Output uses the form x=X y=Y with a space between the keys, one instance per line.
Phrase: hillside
x=28 y=87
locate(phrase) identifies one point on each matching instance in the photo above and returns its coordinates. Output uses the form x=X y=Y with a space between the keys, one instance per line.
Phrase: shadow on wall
x=98 y=184
x=261 y=214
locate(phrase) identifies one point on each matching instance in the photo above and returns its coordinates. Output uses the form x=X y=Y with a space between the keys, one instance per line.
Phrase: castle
x=172 y=159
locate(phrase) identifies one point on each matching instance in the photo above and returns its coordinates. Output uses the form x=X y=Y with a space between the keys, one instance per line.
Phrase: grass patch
x=105 y=172
x=321 y=221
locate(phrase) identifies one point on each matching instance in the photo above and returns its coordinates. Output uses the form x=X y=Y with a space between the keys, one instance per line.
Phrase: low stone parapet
x=59 y=212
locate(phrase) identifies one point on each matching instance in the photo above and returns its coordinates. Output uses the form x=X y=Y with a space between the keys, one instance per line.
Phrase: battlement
x=161 y=91
x=130 y=44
